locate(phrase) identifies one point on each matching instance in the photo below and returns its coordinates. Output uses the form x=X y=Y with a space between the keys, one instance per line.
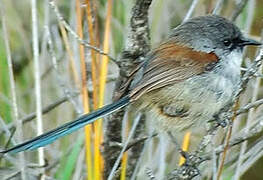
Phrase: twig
x=237 y=140
x=74 y=34
x=61 y=83
x=45 y=110
x=8 y=141
x=252 y=155
x=226 y=147
x=6 y=129
x=191 y=10
x=136 y=141
x=13 y=175
x=218 y=7
x=258 y=128
x=70 y=54
x=116 y=164
x=249 y=106
x=176 y=145
x=140 y=159
x=240 y=6
x=41 y=157
x=13 y=92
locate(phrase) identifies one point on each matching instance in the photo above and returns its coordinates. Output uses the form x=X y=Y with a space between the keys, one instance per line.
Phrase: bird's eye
x=227 y=43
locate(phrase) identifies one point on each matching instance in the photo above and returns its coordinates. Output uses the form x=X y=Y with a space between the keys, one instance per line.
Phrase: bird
x=181 y=83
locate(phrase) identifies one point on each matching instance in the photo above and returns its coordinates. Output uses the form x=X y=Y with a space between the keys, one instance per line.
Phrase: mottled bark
x=136 y=48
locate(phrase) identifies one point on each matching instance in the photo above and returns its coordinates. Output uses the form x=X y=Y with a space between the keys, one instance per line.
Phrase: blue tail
x=68 y=128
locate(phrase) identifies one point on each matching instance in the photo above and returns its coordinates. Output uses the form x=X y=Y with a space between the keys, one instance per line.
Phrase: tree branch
x=136 y=48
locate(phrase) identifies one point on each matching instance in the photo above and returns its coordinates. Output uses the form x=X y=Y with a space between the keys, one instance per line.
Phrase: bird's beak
x=246 y=41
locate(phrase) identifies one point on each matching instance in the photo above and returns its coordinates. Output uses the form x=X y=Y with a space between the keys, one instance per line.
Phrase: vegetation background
x=47 y=73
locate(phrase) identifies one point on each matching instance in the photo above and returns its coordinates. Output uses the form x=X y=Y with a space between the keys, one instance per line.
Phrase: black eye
x=227 y=43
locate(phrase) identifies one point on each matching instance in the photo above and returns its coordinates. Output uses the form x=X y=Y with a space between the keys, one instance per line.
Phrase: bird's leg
x=191 y=160
x=222 y=117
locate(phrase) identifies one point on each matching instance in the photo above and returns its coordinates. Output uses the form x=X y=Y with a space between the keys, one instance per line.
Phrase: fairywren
x=181 y=83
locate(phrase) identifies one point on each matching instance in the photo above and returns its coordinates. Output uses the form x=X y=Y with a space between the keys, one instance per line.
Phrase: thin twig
x=239 y=7
x=258 y=128
x=249 y=106
x=191 y=10
x=61 y=83
x=6 y=129
x=116 y=164
x=226 y=147
x=13 y=92
x=218 y=7
x=45 y=110
x=70 y=55
x=41 y=157
x=253 y=155
x=74 y=34
x=140 y=159
x=8 y=141
x=136 y=141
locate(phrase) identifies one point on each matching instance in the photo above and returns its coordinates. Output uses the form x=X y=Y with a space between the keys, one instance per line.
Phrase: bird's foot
x=188 y=170
x=222 y=119
x=191 y=159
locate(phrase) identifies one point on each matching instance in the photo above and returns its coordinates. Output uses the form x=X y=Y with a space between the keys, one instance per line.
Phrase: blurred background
x=60 y=75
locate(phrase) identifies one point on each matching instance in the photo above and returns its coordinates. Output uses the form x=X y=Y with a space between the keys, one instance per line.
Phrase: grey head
x=211 y=33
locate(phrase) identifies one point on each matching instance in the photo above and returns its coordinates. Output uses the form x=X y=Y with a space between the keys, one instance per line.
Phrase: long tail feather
x=68 y=128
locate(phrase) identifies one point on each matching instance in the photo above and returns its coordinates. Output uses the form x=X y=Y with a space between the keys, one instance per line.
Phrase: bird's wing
x=169 y=64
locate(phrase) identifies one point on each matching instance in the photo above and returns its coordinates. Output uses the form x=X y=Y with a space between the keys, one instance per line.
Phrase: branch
x=136 y=48
x=32 y=115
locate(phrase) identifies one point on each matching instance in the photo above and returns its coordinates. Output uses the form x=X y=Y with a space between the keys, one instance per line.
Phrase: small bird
x=181 y=84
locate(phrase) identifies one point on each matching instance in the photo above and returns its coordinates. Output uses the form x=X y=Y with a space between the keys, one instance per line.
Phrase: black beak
x=247 y=41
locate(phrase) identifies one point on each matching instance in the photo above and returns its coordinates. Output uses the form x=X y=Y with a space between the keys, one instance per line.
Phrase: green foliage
x=119 y=25
x=5 y=103
x=68 y=162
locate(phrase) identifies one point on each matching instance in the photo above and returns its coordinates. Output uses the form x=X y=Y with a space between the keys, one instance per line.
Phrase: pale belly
x=189 y=104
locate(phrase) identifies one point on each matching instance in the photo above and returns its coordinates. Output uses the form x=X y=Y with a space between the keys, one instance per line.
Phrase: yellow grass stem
x=94 y=65
x=125 y=155
x=185 y=146
x=124 y=166
x=103 y=76
x=98 y=161
x=70 y=54
x=84 y=91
